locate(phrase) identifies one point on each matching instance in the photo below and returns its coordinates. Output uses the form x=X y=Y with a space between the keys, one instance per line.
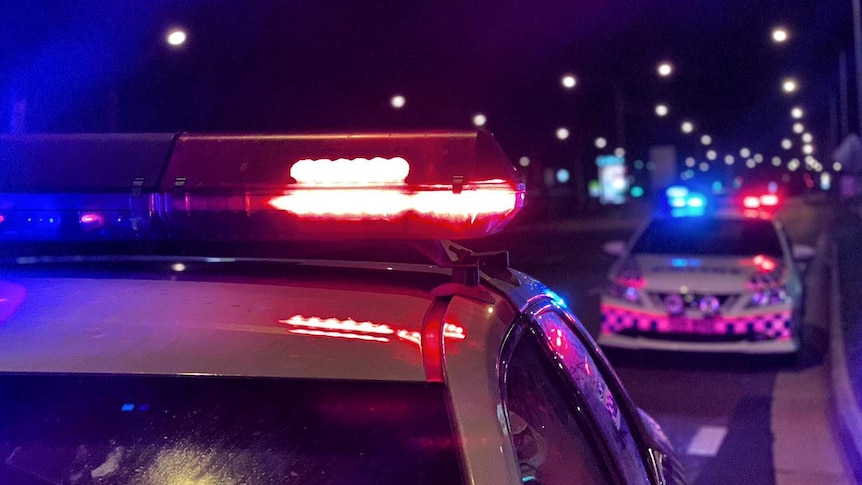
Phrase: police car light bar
x=256 y=187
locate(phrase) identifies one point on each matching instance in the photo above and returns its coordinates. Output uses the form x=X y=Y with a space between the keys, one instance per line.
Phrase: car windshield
x=87 y=429
x=709 y=237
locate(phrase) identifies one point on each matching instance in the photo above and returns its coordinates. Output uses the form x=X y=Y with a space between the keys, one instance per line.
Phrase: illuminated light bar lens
x=751 y=202
x=769 y=200
x=676 y=191
x=360 y=172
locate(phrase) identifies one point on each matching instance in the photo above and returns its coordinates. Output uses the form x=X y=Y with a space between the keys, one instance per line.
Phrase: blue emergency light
x=681 y=202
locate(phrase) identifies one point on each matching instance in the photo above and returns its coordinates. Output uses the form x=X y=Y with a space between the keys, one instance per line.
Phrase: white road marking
x=706 y=441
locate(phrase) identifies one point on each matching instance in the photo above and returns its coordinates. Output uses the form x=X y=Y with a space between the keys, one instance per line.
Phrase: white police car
x=254 y=309
x=698 y=279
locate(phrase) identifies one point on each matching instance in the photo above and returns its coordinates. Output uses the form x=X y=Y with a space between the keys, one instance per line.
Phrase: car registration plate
x=683 y=324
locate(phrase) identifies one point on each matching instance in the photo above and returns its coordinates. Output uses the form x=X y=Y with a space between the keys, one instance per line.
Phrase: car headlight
x=768 y=296
x=624 y=292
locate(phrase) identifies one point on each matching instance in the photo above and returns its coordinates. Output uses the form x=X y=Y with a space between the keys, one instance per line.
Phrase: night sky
x=301 y=65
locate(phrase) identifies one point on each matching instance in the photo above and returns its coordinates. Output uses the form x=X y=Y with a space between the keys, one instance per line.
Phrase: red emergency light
x=762 y=201
x=427 y=186
x=413 y=186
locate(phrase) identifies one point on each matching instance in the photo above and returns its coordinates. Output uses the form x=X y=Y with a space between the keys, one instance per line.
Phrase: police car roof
x=331 y=320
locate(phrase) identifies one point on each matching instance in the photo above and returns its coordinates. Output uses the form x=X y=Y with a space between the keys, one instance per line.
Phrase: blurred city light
x=706 y=140
x=744 y=152
x=661 y=110
x=650 y=166
x=569 y=81
x=665 y=69
x=562 y=175
x=798 y=128
x=562 y=133
x=711 y=155
x=690 y=162
x=779 y=35
x=176 y=37
x=793 y=164
x=758 y=158
x=807 y=138
x=637 y=191
x=601 y=143
x=837 y=166
x=639 y=164
x=728 y=159
x=796 y=113
x=620 y=152
x=750 y=163
x=807 y=149
x=704 y=166
x=786 y=144
x=480 y=119
x=398 y=101
x=790 y=86
x=776 y=161
x=687 y=127
x=524 y=162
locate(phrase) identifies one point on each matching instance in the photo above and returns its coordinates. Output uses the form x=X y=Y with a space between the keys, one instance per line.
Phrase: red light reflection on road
x=346 y=335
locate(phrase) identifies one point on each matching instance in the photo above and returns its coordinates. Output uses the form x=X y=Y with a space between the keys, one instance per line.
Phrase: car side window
x=552 y=442
x=599 y=399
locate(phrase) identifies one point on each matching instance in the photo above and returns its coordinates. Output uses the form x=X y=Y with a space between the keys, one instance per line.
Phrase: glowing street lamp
x=176 y=37
x=562 y=133
x=687 y=127
x=798 y=128
x=780 y=35
x=665 y=69
x=601 y=143
x=705 y=140
x=569 y=81
x=790 y=86
x=480 y=120
x=661 y=110
x=786 y=144
x=796 y=113
x=398 y=101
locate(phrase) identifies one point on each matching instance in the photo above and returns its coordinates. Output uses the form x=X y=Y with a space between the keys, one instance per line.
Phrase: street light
x=807 y=138
x=398 y=101
x=569 y=81
x=562 y=133
x=601 y=143
x=711 y=155
x=837 y=166
x=176 y=37
x=705 y=140
x=796 y=113
x=620 y=152
x=661 y=110
x=776 y=161
x=790 y=86
x=524 y=162
x=665 y=69
x=798 y=128
x=744 y=152
x=779 y=35
x=786 y=144
x=728 y=159
x=808 y=149
x=687 y=127
x=690 y=162
x=480 y=120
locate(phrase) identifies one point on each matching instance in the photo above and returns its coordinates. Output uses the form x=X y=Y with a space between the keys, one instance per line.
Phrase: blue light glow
x=127 y=407
x=678 y=263
x=676 y=191
x=696 y=201
x=677 y=202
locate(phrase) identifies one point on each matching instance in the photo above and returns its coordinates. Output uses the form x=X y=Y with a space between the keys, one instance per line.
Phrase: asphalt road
x=717 y=409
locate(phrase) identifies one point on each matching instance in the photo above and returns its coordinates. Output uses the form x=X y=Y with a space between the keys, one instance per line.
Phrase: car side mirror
x=803 y=253
x=614 y=248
